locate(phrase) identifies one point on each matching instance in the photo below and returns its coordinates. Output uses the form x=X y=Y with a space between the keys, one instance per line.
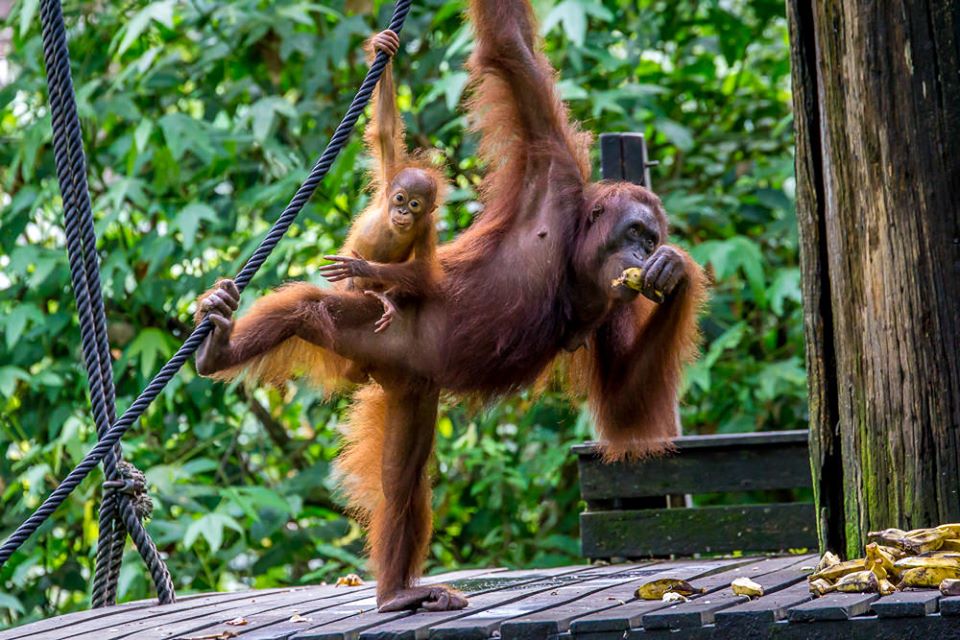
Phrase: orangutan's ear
x=595 y=213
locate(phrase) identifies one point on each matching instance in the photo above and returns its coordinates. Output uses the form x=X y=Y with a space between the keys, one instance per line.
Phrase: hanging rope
x=71 y=173
x=118 y=513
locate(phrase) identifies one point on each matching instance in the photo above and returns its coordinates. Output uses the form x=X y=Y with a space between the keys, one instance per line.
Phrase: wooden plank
x=551 y=622
x=750 y=618
x=698 y=470
x=636 y=164
x=931 y=627
x=192 y=622
x=950 y=607
x=907 y=604
x=622 y=617
x=611 y=157
x=482 y=624
x=658 y=532
x=509 y=584
x=59 y=623
x=734 y=440
x=96 y=628
x=833 y=606
x=283 y=619
x=772 y=575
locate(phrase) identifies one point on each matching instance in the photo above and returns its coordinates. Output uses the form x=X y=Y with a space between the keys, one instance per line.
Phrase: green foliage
x=200 y=119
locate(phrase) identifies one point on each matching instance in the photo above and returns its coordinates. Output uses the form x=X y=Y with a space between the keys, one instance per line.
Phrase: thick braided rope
x=190 y=345
x=85 y=277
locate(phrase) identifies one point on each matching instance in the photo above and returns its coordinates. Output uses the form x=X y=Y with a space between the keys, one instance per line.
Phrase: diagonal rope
x=117 y=512
x=112 y=435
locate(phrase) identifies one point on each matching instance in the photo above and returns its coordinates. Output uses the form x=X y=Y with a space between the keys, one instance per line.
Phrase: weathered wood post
x=877 y=107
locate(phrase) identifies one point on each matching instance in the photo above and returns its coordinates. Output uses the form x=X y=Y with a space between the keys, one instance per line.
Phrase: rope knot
x=133 y=483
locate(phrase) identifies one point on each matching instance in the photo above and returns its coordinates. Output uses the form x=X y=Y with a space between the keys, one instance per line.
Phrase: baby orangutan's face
x=411 y=196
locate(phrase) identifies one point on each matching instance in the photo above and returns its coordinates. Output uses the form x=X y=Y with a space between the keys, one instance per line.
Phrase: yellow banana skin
x=950 y=587
x=927 y=577
x=858 y=582
x=655 y=590
x=933 y=562
x=840 y=569
x=633 y=278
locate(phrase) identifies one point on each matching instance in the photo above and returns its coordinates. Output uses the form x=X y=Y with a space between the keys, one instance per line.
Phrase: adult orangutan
x=530 y=278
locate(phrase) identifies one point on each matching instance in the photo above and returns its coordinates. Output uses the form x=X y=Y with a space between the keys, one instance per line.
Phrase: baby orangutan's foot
x=432 y=598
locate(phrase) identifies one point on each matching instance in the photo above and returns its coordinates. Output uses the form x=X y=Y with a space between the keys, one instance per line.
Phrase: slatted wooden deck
x=581 y=603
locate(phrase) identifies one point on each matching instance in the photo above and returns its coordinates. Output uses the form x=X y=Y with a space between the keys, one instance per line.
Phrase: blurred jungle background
x=200 y=119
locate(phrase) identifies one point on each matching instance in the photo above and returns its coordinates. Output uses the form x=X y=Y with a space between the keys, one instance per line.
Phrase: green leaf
x=150 y=345
x=162 y=12
x=572 y=16
x=28 y=9
x=675 y=133
x=142 y=134
x=188 y=221
x=17 y=322
x=263 y=113
x=182 y=133
x=8 y=601
x=9 y=376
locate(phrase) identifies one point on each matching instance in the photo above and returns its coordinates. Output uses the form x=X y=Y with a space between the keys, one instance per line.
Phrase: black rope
x=118 y=516
x=112 y=436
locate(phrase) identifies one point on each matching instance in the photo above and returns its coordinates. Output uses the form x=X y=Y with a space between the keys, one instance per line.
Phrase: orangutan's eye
x=415 y=206
x=398 y=198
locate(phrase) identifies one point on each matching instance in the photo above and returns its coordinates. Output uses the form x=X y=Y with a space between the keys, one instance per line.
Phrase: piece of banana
x=673 y=596
x=933 y=562
x=839 y=570
x=927 y=577
x=880 y=562
x=950 y=544
x=886 y=587
x=913 y=542
x=950 y=587
x=828 y=560
x=820 y=587
x=887 y=537
x=950 y=530
x=746 y=587
x=632 y=277
x=923 y=540
x=858 y=582
x=656 y=589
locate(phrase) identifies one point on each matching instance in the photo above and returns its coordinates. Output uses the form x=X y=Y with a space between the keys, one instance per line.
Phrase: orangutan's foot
x=432 y=598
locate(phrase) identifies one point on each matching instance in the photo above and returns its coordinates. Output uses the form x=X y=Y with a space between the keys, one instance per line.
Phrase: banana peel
x=939 y=562
x=820 y=587
x=928 y=577
x=746 y=587
x=633 y=279
x=829 y=559
x=656 y=589
x=950 y=587
x=840 y=569
x=858 y=582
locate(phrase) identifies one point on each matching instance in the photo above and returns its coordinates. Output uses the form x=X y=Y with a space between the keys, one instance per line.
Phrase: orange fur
x=642 y=346
x=395 y=508
x=292 y=358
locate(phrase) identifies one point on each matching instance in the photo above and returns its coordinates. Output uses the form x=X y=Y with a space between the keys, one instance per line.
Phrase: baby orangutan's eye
x=415 y=205
x=398 y=198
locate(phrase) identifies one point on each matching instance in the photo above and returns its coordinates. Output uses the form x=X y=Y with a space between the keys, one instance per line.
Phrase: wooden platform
x=582 y=602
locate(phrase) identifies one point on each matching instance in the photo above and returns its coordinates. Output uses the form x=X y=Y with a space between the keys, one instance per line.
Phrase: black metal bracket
x=623 y=156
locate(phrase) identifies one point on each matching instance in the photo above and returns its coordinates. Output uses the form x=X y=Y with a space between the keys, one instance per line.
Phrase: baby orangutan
x=392 y=244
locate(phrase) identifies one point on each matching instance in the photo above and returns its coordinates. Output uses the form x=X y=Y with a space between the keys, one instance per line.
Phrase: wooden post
x=877 y=113
x=623 y=156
